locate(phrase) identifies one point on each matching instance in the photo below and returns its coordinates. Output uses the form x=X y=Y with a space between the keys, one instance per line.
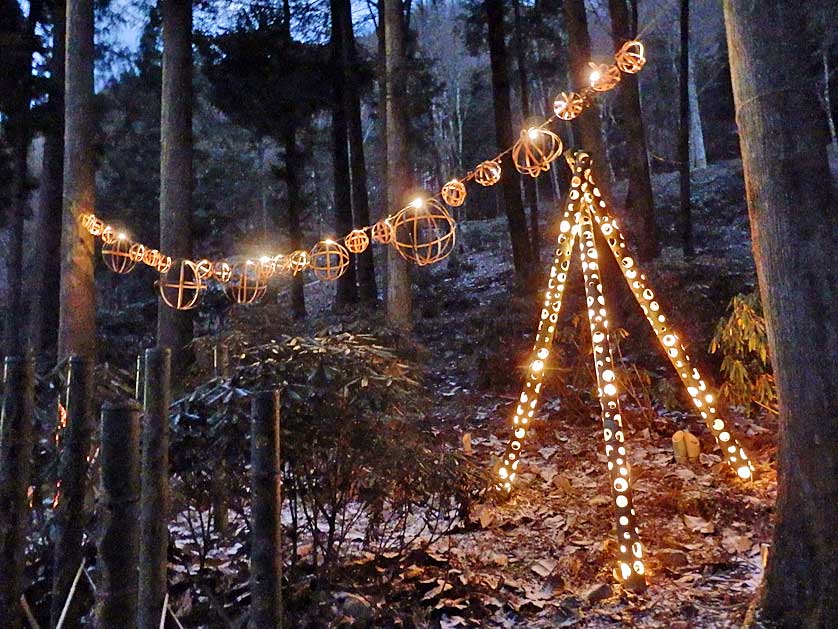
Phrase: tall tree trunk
x=77 y=315
x=367 y=289
x=827 y=100
x=292 y=183
x=19 y=126
x=684 y=133
x=347 y=291
x=174 y=327
x=399 y=298
x=44 y=314
x=640 y=200
x=511 y=181
x=794 y=226
x=530 y=191
x=587 y=128
x=698 y=156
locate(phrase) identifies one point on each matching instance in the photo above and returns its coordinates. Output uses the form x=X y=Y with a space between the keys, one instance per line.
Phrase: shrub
x=742 y=341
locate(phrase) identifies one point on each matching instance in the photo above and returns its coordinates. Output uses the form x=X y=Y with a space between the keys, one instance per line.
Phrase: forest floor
x=544 y=558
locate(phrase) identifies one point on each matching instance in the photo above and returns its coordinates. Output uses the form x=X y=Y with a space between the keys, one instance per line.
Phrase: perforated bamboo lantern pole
x=703 y=398
x=630 y=566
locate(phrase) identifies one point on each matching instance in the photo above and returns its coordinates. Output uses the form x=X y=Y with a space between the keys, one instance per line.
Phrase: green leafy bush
x=742 y=341
x=358 y=472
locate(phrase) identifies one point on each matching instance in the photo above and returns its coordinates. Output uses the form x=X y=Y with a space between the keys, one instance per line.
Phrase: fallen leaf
x=544 y=567
x=698 y=524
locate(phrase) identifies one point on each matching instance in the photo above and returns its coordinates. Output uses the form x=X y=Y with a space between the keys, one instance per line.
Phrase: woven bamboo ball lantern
x=151 y=257
x=137 y=252
x=204 y=269
x=454 y=193
x=282 y=264
x=267 y=266
x=328 y=260
x=108 y=235
x=247 y=284
x=298 y=260
x=180 y=286
x=357 y=241
x=487 y=173
x=117 y=255
x=631 y=57
x=535 y=150
x=382 y=231
x=86 y=220
x=424 y=232
x=164 y=263
x=221 y=271
x=568 y=105
x=94 y=226
x=604 y=77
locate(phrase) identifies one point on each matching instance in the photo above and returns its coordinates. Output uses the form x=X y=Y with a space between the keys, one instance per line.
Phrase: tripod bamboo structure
x=584 y=210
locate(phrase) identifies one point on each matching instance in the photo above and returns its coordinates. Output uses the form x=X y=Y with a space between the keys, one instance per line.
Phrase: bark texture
x=684 y=133
x=70 y=517
x=511 y=180
x=399 y=298
x=587 y=128
x=642 y=229
x=174 y=327
x=530 y=188
x=117 y=512
x=266 y=545
x=16 y=434
x=155 y=502
x=77 y=314
x=794 y=226
x=44 y=315
x=367 y=288
x=346 y=290
x=295 y=233
x=698 y=155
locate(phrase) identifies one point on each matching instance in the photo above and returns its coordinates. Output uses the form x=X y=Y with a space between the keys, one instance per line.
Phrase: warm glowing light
x=596 y=75
x=418 y=202
x=744 y=472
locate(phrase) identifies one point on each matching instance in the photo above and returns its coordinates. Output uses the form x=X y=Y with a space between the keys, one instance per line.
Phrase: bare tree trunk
x=511 y=181
x=347 y=291
x=698 y=156
x=19 y=127
x=174 y=327
x=266 y=546
x=827 y=100
x=77 y=315
x=44 y=314
x=292 y=183
x=16 y=432
x=642 y=229
x=530 y=191
x=70 y=517
x=117 y=512
x=587 y=128
x=155 y=500
x=399 y=298
x=684 y=133
x=794 y=226
x=367 y=289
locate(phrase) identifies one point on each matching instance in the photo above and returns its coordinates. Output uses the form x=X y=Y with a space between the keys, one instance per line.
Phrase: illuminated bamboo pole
x=703 y=399
x=630 y=567
x=528 y=400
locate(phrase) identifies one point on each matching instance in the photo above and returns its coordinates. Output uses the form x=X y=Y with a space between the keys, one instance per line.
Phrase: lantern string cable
x=162 y=262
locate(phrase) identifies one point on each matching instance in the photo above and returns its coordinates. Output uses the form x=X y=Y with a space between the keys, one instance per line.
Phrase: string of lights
x=423 y=231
